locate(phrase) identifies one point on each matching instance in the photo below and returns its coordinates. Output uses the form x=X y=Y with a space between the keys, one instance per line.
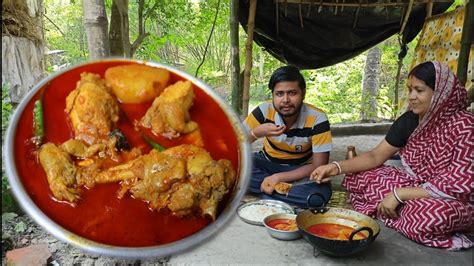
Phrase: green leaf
x=153 y=144
x=8 y=216
x=20 y=227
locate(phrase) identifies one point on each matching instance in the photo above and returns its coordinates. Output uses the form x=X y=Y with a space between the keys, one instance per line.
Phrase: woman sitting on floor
x=429 y=200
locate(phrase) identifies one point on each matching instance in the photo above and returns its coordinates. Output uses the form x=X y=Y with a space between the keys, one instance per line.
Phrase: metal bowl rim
x=94 y=247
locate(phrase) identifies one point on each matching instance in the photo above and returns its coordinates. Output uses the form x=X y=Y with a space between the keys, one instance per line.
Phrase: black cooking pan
x=333 y=247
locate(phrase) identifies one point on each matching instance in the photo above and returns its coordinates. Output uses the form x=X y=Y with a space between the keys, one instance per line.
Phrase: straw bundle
x=16 y=21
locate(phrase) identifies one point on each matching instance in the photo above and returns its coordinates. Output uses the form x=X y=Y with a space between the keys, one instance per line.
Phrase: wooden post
x=466 y=42
x=235 y=57
x=248 y=57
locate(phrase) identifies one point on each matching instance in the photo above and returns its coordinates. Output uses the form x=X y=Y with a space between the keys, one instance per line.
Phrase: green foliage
x=179 y=30
x=7 y=107
x=64 y=30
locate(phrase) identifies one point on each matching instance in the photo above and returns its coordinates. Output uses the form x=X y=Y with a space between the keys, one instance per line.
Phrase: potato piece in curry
x=92 y=109
x=169 y=114
x=136 y=83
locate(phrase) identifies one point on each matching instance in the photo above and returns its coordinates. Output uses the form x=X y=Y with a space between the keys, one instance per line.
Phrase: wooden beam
x=248 y=57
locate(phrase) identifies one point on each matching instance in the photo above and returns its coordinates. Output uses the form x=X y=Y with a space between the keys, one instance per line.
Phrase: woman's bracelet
x=397 y=197
x=253 y=134
x=339 y=170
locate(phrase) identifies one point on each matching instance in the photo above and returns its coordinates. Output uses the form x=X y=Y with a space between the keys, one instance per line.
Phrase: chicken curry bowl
x=127 y=154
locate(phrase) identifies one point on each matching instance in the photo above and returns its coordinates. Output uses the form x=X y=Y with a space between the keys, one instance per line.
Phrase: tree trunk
x=248 y=57
x=119 y=30
x=96 y=24
x=235 y=72
x=261 y=64
x=22 y=50
x=370 y=86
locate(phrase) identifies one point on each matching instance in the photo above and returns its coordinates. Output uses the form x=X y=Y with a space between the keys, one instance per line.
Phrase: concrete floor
x=242 y=243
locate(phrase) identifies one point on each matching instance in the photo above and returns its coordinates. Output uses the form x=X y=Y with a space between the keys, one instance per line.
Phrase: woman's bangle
x=397 y=197
x=339 y=170
x=253 y=134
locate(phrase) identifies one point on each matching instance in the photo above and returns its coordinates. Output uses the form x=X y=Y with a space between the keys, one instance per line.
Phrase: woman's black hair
x=287 y=73
x=426 y=72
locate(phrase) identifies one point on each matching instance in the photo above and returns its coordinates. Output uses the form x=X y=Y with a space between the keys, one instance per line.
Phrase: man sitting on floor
x=297 y=139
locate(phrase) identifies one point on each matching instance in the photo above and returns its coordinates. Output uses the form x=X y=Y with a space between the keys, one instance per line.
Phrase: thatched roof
x=16 y=21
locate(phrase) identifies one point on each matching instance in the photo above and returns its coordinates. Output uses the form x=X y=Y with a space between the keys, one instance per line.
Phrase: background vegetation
x=178 y=35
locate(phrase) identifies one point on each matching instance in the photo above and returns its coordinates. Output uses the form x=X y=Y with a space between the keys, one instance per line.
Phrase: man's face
x=287 y=98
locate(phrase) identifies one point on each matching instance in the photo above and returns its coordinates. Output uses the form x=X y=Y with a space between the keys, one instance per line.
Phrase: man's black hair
x=287 y=73
x=426 y=72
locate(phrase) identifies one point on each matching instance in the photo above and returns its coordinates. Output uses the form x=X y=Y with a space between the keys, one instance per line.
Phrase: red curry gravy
x=283 y=224
x=333 y=231
x=100 y=215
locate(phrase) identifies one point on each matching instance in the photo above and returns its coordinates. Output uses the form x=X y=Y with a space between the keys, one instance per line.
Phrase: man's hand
x=388 y=206
x=269 y=183
x=323 y=173
x=268 y=129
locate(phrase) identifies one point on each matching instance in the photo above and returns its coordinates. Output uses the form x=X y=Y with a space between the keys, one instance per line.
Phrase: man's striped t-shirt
x=310 y=134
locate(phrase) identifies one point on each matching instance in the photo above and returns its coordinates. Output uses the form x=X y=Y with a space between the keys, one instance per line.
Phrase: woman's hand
x=269 y=183
x=268 y=129
x=323 y=173
x=388 y=206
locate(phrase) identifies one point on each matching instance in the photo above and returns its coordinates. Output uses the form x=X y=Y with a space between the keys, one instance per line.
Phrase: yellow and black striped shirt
x=310 y=134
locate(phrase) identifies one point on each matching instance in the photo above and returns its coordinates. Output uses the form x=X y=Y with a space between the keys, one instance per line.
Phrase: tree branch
x=56 y=26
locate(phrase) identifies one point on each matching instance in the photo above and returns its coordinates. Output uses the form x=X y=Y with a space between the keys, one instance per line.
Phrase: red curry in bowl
x=100 y=215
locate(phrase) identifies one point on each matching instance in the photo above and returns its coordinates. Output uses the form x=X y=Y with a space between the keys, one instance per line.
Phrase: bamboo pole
x=407 y=15
x=355 y=4
x=466 y=43
x=429 y=9
x=235 y=57
x=248 y=57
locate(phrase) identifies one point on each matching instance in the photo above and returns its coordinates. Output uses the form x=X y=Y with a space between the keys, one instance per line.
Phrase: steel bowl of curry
x=282 y=226
x=127 y=158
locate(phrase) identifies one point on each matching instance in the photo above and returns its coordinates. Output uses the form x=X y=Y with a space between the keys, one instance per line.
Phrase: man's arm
x=305 y=170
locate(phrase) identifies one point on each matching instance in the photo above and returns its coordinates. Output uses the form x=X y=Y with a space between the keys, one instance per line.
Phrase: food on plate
x=257 y=212
x=136 y=83
x=92 y=109
x=334 y=231
x=283 y=188
x=169 y=114
x=283 y=224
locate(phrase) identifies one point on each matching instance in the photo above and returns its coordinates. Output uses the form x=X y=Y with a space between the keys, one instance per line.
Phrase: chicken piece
x=169 y=113
x=93 y=110
x=184 y=199
x=183 y=179
x=78 y=149
x=61 y=173
x=154 y=166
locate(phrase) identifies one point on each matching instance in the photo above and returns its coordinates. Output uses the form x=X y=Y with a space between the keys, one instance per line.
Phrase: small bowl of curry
x=282 y=226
